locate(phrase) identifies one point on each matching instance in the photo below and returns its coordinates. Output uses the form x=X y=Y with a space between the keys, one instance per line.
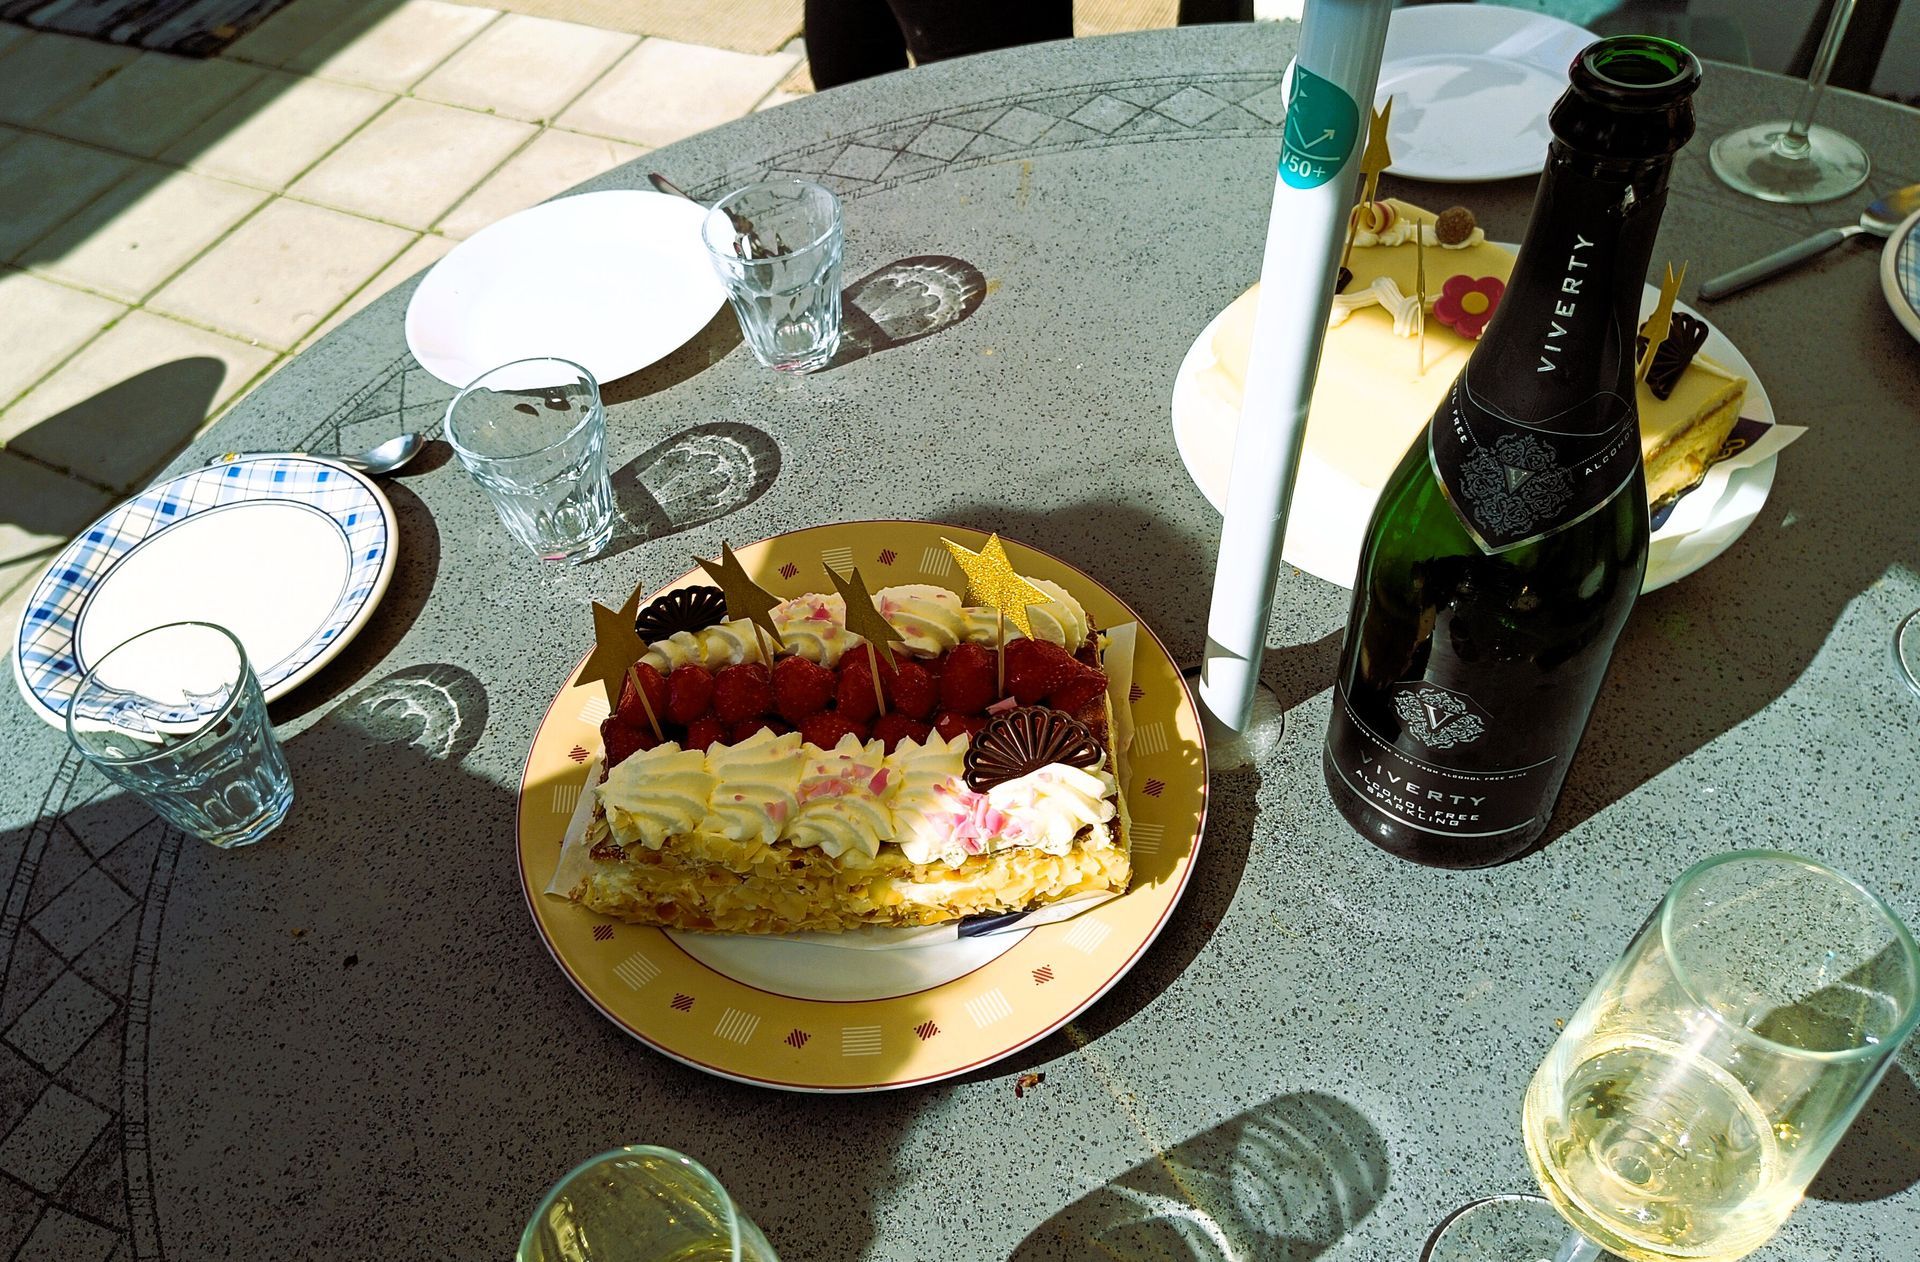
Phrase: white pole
x=1326 y=126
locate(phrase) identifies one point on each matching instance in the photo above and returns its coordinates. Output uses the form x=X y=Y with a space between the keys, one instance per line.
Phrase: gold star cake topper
x=616 y=647
x=991 y=578
x=1660 y=323
x=1374 y=159
x=863 y=619
x=745 y=598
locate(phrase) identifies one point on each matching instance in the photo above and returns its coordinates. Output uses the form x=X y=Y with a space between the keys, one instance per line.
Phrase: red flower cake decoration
x=1466 y=303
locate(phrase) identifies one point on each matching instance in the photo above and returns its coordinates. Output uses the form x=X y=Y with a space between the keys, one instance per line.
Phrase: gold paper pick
x=1376 y=157
x=640 y=691
x=991 y=578
x=745 y=598
x=863 y=619
x=1660 y=323
x=616 y=646
x=1420 y=289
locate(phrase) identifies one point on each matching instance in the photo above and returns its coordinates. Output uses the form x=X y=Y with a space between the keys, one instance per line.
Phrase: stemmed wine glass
x=1797 y=161
x=1712 y=1068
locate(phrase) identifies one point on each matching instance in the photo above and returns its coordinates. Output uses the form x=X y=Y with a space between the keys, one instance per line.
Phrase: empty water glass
x=777 y=249
x=176 y=716
x=533 y=434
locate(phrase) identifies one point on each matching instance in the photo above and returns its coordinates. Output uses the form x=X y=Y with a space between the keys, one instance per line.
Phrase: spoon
x=742 y=226
x=383 y=459
x=1879 y=219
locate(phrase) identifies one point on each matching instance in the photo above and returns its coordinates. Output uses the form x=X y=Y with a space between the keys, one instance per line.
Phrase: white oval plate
x=1328 y=517
x=612 y=281
x=1900 y=273
x=290 y=553
x=1471 y=86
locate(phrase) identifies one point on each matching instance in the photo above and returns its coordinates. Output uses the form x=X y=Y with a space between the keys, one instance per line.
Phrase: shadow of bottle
x=1282 y=1182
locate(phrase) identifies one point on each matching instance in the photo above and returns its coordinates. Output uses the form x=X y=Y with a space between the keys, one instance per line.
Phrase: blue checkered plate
x=290 y=553
x=1900 y=273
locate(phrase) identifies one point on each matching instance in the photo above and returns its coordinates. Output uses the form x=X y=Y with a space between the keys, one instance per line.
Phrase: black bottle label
x=1476 y=805
x=1515 y=481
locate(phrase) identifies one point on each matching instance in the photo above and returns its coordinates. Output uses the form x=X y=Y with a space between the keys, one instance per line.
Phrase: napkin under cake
x=783 y=803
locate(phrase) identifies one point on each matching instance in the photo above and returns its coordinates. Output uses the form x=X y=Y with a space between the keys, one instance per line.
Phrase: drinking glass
x=176 y=716
x=777 y=249
x=1714 y=1065
x=1796 y=161
x=534 y=436
x=641 y=1204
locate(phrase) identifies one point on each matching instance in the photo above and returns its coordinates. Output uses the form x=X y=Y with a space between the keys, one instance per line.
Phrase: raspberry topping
x=741 y=692
x=689 y=692
x=896 y=727
x=801 y=688
x=967 y=683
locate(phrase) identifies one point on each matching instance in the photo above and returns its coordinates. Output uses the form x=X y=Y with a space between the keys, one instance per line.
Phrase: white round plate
x=1328 y=520
x=612 y=281
x=1900 y=273
x=290 y=553
x=1471 y=86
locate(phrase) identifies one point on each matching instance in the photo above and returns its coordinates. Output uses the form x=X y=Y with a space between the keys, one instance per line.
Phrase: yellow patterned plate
x=814 y=1018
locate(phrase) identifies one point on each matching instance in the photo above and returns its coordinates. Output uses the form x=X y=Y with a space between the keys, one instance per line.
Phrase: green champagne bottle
x=1508 y=545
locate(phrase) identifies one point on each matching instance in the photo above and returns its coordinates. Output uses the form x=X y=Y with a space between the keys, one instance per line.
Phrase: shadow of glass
x=1879 y=1156
x=696 y=476
x=713 y=343
x=121 y=435
x=1283 y=1182
x=904 y=301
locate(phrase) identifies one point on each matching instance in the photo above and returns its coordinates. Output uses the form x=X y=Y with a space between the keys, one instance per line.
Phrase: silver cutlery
x=374 y=461
x=1879 y=219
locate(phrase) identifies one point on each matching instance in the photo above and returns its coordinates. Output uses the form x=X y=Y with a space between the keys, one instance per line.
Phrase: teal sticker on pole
x=1322 y=124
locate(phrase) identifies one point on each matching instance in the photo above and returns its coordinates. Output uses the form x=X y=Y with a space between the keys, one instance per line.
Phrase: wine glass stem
x=1577 y=1248
x=1792 y=143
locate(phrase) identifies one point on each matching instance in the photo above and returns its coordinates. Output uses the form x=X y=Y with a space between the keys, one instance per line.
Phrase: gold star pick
x=1660 y=323
x=745 y=598
x=1374 y=159
x=863 y=619
x=991 y=578
x=1420 y=291
x=616 y=646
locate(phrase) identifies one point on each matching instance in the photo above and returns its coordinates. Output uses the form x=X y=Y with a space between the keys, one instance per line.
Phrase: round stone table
x=348 y=1042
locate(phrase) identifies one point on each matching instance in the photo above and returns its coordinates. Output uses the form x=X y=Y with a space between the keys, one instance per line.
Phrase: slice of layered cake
x=753 y=797
x=1375 y=393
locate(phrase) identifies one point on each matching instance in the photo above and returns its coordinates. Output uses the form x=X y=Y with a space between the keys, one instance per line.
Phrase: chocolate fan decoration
x=1684 y=339
x=1024 y=740
x=686 y=609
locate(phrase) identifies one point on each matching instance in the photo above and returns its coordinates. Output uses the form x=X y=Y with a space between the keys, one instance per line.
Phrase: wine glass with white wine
x=1796 y=160
x=1709 y=1073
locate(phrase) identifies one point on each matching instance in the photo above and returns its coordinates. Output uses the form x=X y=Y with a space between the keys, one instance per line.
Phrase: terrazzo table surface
x=348 y=1042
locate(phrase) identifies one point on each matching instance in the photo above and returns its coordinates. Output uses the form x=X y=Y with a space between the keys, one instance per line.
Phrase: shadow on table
x=904 y=301
x=1283 y=1182
x=118 y=437
x=364 y=981
x=696 y=476
x=1880 y=1156
x=713 y=343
